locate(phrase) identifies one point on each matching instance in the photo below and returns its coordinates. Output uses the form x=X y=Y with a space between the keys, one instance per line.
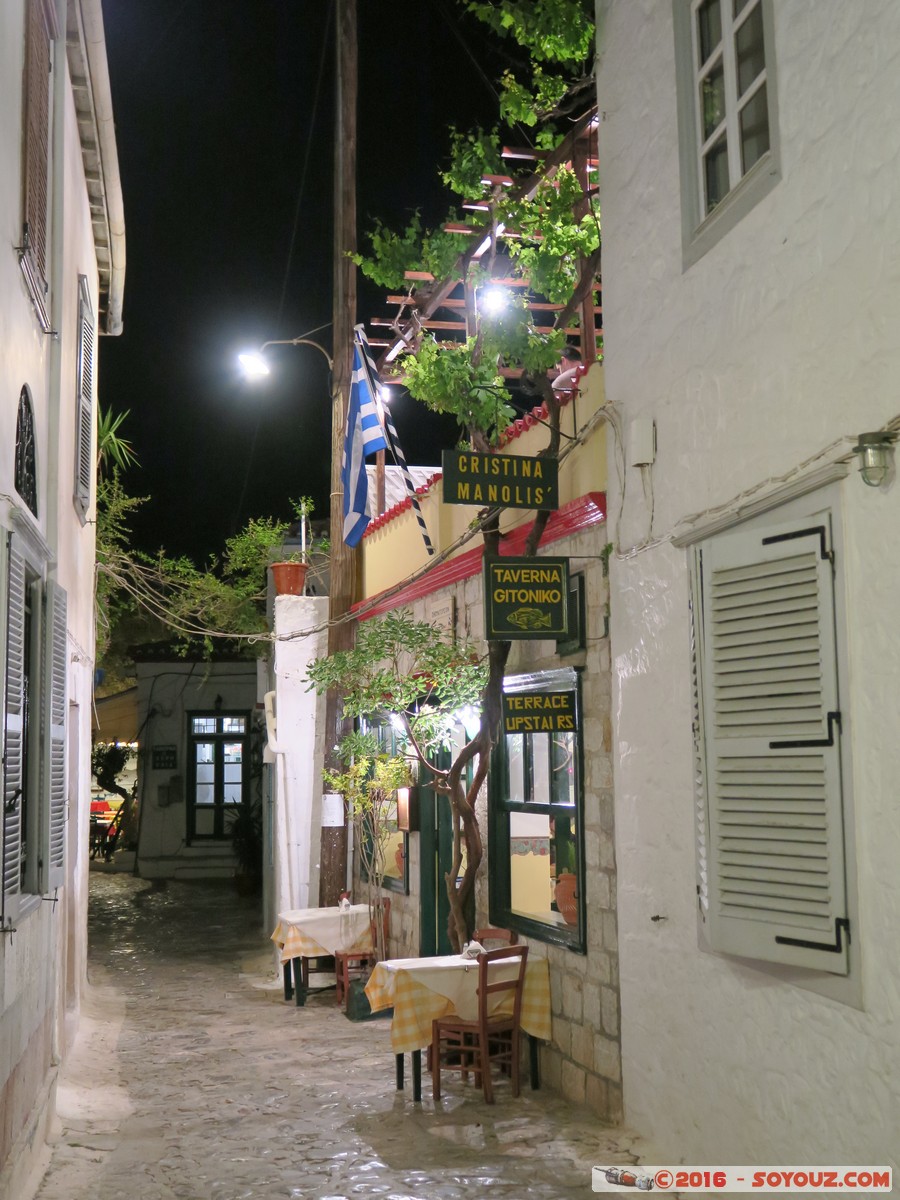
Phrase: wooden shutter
x=84 y=459
x=13 y=727
x=37 y=142
x=772 y=737
x=53 y=723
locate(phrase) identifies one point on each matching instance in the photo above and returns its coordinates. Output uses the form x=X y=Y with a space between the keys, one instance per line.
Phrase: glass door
x=217 y=760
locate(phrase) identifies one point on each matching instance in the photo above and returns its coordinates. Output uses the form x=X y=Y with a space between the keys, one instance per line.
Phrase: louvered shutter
x=37 y=141
x=772 y=741
x=84 y=459
x=13 y=728
x=53 y=752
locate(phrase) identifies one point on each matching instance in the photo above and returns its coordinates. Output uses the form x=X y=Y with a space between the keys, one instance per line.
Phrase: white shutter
x=772 y=736
x=53 y=752
x=13 y=727
x=84 y=458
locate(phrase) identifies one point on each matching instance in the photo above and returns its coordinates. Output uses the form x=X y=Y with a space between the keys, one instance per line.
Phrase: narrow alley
x=193 y=1079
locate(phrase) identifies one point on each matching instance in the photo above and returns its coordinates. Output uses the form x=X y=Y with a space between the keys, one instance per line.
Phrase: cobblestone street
x=193 y=1079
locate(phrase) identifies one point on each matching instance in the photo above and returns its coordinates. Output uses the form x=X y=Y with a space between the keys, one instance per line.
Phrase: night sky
x=224 y=120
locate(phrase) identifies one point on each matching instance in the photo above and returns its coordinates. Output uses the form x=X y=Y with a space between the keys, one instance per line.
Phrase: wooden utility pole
x=344 y=560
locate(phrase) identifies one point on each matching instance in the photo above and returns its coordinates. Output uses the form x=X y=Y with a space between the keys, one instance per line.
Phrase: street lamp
x=254 y=364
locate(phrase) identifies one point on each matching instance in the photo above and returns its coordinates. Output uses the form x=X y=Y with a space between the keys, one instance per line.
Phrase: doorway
x=436 y=856
x=217 y=763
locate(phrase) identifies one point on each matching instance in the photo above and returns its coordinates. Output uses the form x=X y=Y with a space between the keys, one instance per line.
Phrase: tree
x=108 y=761
x=369 y=783
x=546 y=229
x=411 y=670
x=142 y=597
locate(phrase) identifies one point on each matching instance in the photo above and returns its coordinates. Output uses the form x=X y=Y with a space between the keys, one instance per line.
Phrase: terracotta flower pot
x=566 y=900
x=289 y=578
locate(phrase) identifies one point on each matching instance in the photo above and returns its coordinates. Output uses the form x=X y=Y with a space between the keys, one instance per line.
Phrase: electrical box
x=642 y=442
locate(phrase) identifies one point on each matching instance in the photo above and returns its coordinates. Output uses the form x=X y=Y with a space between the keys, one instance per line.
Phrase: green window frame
x=536 y=823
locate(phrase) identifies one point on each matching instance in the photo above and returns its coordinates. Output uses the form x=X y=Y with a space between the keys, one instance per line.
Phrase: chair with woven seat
x=353 y=964
x=493 y=1037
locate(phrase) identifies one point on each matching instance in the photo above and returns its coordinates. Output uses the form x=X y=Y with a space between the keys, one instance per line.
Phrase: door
x=436 y=859
x=217 y=763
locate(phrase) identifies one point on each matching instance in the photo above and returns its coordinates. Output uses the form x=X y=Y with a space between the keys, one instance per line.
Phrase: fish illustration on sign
x=530 y=618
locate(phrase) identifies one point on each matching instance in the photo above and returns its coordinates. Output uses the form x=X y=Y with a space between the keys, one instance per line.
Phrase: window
x=396 y=842
x=536 y=818
x=84 y=393
x=772 y=865
x=576 y=623
x=25 y=466
x=218 y=753
x=728 y=131
x=34 y=732
x=40 y=30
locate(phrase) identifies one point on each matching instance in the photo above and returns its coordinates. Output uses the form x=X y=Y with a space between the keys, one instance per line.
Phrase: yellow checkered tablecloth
x=416 y=1005
x=311 y=933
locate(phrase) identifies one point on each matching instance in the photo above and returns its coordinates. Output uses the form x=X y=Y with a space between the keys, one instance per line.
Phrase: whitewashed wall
x=779 y=341
x=42 y=966
x=297 y=756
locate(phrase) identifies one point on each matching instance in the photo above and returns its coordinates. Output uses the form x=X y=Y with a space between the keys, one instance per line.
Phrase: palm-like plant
x=112 y=448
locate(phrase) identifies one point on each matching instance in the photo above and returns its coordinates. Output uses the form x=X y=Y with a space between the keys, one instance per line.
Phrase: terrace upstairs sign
x=525 y=598
x=539 y=712
x=504 y=480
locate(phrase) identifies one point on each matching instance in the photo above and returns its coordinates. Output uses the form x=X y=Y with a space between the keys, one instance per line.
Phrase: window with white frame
x=33 y=727
x=84 y=399
x=767 y=723
x=727 y=110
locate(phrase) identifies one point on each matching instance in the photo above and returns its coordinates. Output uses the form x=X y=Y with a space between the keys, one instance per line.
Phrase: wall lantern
x=875 y=452
x=408 y=809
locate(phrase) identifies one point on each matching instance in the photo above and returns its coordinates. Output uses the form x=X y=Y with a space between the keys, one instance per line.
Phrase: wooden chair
x=464 y=1046
x=355 y=963
x=491 y=933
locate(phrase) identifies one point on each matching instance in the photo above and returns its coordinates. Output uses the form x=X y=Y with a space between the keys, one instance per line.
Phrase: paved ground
x=192 y=1079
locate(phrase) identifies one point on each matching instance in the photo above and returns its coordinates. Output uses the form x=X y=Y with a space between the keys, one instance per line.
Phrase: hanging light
x=253 y=364
x=874 y=450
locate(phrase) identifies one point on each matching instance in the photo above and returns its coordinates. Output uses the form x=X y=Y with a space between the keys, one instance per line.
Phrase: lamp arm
x=300 y=341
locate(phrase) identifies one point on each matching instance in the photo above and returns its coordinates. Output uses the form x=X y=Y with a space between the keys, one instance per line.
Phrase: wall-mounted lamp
x=875 y=451
x=408 y=809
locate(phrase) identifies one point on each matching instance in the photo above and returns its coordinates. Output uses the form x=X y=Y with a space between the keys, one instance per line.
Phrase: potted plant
x=566 y=880
x=289 y=572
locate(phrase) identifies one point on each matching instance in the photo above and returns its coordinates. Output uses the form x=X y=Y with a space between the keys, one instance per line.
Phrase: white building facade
x=61 y=280
x=750 y=168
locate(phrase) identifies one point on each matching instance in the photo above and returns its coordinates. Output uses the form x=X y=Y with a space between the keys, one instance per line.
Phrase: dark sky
x=224 y=120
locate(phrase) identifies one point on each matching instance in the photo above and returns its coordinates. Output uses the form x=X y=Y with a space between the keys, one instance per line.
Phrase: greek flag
x=363 y=355
x=362 y=436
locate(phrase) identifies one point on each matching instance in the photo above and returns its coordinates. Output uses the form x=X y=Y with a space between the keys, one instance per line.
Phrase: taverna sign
x=525 y=598
x=507 y=480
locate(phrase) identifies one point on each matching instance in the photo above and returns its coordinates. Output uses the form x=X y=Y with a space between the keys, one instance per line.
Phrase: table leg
x=286 y=975
x=399 y=1062
x=417 y=1074
x=534 y=1062
x=300 y=988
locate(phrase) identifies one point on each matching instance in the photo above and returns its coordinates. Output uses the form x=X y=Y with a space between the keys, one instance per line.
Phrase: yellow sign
x=526 y=597
x=504 y=480
x=539 y=712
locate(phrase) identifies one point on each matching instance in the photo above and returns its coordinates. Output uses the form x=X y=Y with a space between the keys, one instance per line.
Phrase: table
x=423 y=989
x=318 y=933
